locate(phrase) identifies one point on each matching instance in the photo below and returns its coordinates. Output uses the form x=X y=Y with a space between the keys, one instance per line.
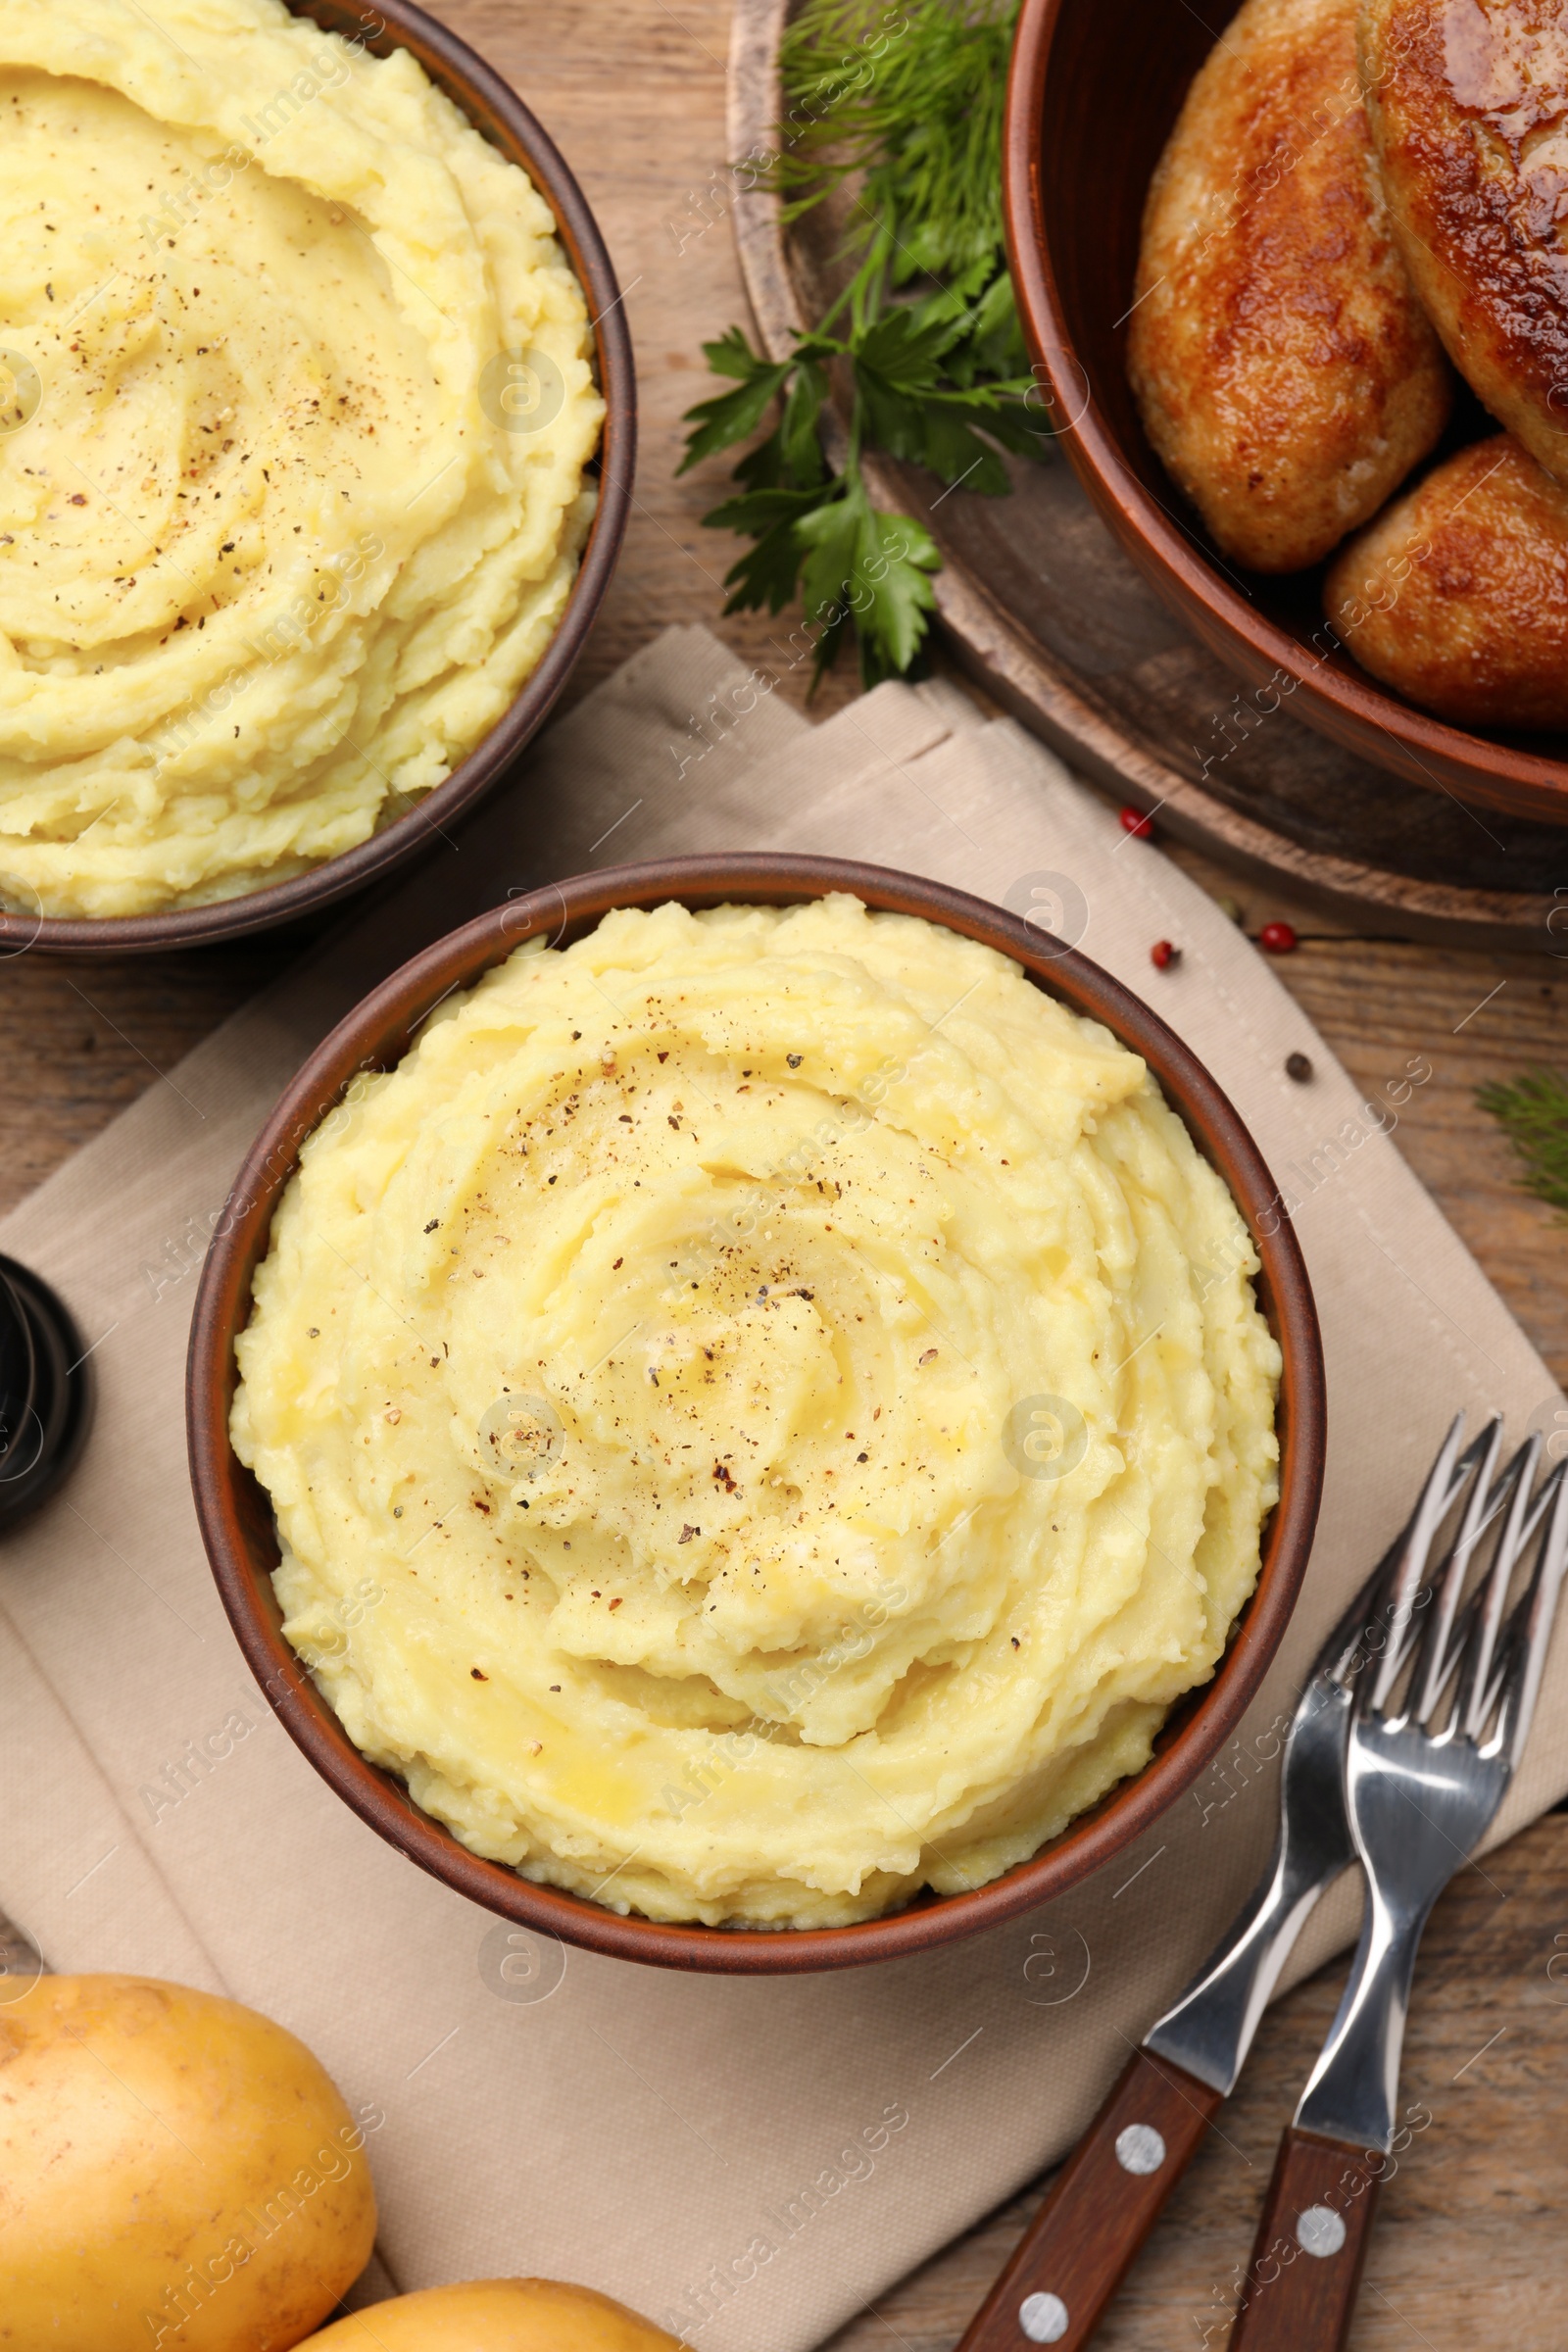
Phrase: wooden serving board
x=1042 y=608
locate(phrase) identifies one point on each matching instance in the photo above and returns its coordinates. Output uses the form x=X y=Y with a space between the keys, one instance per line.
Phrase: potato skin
x=1285 y=373
x=1466 y=106
x=496 y=2315
x=148 y=2135
x=1457 y=596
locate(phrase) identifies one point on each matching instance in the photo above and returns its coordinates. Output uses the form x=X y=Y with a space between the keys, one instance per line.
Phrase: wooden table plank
x=1470 y=2247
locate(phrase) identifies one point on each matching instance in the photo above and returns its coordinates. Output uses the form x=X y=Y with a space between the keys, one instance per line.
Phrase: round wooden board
x=1042 y=609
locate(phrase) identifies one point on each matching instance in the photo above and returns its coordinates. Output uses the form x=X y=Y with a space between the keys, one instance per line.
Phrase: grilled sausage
x=1467 y=104
x=1282 y=369
x=1457 y=596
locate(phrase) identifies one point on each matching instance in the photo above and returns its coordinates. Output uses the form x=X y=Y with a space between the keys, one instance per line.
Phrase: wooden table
x=1471 y=2247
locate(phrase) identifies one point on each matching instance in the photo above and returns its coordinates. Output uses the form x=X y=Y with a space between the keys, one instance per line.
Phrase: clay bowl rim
x=235 y=1518
x=1348 y=705
x=494 y=106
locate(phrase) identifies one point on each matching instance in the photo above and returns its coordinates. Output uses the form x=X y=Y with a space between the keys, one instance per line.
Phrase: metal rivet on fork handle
x=1043 y=2319
x=1319 y=2231
x=1140 y=2149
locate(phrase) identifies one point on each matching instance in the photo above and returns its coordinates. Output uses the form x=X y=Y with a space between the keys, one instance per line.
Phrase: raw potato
x=1282 y=367
x=1457 y=594
x=496 y=2315
x=177 y=2174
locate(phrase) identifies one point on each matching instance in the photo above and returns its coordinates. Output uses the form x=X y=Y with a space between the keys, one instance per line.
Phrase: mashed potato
x=295 y=405
x=766 y=1410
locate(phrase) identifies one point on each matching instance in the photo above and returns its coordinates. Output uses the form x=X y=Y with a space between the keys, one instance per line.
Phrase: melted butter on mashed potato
x=646 y=1378
x=276 y=550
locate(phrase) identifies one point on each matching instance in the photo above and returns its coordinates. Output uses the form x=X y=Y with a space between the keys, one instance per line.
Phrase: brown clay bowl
x=237 y=1518
x=1094 y=92
x=496 y=110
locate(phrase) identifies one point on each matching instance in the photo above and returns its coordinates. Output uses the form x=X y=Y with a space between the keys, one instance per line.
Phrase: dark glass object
x=45 y=1392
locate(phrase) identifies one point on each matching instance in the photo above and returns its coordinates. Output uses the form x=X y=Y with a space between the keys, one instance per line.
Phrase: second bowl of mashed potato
x=315 y=418
x=755 y=1412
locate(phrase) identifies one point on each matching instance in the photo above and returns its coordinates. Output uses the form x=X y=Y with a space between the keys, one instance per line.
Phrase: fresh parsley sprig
x=905 y=103
x=854 y=566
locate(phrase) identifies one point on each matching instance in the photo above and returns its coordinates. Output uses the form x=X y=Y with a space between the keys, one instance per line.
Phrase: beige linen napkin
x=747 y=2161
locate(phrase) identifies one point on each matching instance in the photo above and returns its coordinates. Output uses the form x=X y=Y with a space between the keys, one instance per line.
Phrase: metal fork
x=1438 y=1725
x=1110 y=2194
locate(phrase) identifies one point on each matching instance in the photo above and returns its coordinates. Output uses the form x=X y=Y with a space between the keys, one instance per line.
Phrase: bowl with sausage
x=1287 y=272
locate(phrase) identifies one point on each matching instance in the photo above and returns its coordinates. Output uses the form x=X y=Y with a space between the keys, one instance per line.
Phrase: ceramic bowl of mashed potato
x=316 y=414
x=748 y=1417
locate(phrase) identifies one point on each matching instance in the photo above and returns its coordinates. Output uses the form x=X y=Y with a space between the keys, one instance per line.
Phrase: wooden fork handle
x=1102 y=2206
x=1300 y=2291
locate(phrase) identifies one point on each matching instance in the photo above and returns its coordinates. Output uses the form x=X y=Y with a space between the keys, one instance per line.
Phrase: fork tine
x=1446 y=1481
x=1512 y=1491
x=1437 y=1652
x=1339 y=1656
x=1530 y=1626
x=1462 y=1648
x=1342 y=1655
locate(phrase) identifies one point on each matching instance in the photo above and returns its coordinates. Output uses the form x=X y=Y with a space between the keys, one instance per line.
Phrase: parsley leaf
x=870 y=568
x=730 y=416
x=857 y=568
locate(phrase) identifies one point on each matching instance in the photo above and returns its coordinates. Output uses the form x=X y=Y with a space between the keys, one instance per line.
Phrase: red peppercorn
x=1162 y=954
x=1278 y=938
x=1133 y=820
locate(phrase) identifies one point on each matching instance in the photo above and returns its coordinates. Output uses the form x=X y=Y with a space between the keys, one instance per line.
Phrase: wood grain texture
x=1470 y=2247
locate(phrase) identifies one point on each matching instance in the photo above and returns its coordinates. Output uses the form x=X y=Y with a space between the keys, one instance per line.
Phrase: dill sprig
x=907 y=101
x=1533 y=1111
x=901 y=107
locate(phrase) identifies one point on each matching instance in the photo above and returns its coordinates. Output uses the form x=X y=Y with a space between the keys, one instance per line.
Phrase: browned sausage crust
x=1457 y=594
x=1284 y=370
x=1469 y=105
